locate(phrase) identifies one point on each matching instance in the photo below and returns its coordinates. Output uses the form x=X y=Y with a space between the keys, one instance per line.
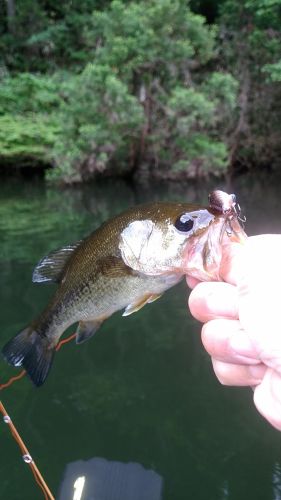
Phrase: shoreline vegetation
x=168 y=89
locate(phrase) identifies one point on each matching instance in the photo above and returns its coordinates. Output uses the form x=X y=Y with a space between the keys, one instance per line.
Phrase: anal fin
x=136 y=306
x=86 y=329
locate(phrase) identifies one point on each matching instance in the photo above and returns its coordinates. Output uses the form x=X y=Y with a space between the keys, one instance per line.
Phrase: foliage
x=45 y=35
x=250 y=47
x=29 y=136
x=124 y=87
x=28 y=124
x=274 y=71
x=28 y=93
x=138 y=104
x=101 y=119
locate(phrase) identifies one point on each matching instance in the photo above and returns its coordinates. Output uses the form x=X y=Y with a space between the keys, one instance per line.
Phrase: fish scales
x=127 y=262
x=86 y=290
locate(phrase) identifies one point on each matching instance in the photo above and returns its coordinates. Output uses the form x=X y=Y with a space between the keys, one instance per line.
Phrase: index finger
x=212 y=299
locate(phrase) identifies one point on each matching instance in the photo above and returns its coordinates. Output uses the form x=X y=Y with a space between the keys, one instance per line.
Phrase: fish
x=128 y=262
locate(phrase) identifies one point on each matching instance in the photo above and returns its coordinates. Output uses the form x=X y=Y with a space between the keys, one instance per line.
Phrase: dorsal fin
x=50 y=268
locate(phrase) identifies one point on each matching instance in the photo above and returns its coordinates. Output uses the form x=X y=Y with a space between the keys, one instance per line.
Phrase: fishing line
x=23 y=372
x=27 y=458
x=12 y=380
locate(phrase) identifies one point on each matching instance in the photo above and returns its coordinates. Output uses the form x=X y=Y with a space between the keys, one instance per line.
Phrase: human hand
x=242 y=323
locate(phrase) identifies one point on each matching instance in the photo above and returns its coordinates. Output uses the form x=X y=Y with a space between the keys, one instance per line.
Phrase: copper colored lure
x=222 y=202
x=227 y=205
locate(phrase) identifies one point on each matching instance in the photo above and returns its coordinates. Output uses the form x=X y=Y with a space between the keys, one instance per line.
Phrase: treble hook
x=237 y=210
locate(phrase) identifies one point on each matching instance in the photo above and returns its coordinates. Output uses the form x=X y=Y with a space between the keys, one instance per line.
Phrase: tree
x=28 y=119
x=10 y=15
x=143 y=101
x=250 y=46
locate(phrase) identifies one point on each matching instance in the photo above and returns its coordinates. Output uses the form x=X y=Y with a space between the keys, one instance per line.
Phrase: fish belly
x=97 y=300
x=106 y=296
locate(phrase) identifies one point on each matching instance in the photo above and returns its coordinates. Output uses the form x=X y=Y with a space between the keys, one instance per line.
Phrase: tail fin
x=33 y=352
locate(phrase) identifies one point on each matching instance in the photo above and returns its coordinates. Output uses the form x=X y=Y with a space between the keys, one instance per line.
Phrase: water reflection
x=78 y=487
x=276 y=481
x=143 y=389
x=100 y=479
x=44 y=214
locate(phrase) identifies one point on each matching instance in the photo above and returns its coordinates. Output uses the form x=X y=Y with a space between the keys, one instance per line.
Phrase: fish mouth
x=233 y=230
x=204 y=255
x=238 y=237
x=227 y=206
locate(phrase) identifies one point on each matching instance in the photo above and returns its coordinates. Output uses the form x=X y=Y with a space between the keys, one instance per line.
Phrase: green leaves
x=146 y=36
x=273 y=71
x=221 y=89
x=102 y=118
x=138 y=92
x=28 y=92
x=192 y=105
x=250 y=48
x=28 y=124
x=193 y=115
x=30 y=136
x=137 y=103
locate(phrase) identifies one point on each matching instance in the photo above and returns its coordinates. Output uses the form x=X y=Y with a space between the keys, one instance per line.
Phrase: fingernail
x=241 y=344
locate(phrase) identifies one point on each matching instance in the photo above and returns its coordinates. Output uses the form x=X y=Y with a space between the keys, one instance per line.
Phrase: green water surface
x=142 y=390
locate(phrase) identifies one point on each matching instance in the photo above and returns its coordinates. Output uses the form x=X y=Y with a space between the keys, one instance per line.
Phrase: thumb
x=258 y=282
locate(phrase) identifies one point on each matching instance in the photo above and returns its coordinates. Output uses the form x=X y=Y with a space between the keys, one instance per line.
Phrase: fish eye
x=184 y=223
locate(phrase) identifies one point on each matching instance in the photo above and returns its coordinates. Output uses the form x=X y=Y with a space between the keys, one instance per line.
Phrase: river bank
x=171 y=89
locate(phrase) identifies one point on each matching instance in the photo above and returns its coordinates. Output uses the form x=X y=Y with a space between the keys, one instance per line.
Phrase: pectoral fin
x=86 y=329
x=154 y=297
x=136 y=306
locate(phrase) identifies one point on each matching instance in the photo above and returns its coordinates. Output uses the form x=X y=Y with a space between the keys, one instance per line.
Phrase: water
x=142 y=390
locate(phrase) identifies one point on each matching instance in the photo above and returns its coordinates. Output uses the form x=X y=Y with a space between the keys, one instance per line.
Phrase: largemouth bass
x=129 y=261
